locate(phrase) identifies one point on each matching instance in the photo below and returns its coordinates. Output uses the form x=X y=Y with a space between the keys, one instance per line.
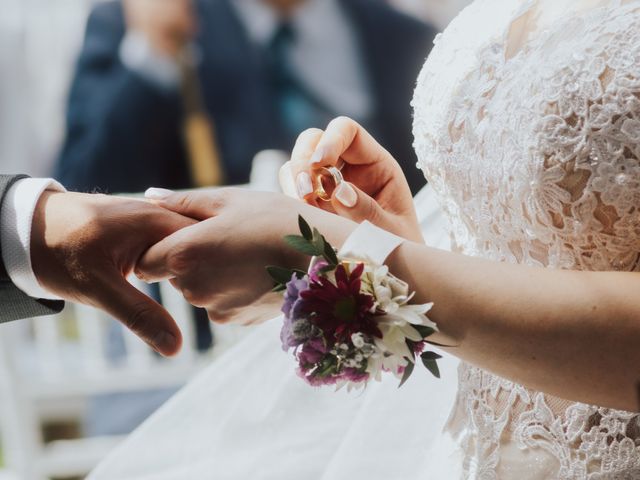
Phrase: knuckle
x=190 y=296
x=185 y=201
x=140 y=273
x=310 y=133
x=342 y=122
x=222 y=197
x=180 y=259
x=218 y=316
x=195 y=297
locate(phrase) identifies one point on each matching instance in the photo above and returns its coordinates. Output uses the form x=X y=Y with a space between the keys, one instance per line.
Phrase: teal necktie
x=298 y=108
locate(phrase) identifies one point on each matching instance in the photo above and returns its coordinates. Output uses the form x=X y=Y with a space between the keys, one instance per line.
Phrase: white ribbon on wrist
x=371 y=244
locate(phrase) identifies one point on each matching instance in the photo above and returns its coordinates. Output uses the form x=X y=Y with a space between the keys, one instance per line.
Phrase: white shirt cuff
x=16 y=218
x=138 y=55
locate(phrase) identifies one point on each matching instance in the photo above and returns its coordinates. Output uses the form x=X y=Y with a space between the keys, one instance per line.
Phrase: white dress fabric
x=527 y=125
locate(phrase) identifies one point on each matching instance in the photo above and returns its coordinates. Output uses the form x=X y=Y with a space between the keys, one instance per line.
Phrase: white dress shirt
x=326 y=55
x=16 y=218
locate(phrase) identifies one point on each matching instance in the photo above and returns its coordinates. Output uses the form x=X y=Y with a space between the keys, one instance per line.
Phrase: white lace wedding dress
x=527 y=125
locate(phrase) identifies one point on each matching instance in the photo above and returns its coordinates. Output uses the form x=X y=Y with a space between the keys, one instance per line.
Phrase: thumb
x=197 y=204
x=141 y=314
x=352 y=203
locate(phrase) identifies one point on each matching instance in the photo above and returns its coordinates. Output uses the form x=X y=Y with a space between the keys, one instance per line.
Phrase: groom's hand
x=84 y=246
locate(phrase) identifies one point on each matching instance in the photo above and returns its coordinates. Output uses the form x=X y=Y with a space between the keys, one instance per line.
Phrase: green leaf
x=424 y=331
x=302 y=245
x=329 y=253
x=429 y=359
x=279 y=288
x=305 y=229
x=279 y=274
x=318 y=241
x=408 y=370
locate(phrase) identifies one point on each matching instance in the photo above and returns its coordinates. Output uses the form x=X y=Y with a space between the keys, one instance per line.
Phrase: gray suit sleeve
x=14 y=303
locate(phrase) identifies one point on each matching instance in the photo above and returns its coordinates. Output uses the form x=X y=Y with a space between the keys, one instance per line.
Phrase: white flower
x=358 y=340
x=390 y=292
x=396 y=319
x=394 y=336
x=416 y=315
x=393 y=363
x=374 y=365
x=396 y=329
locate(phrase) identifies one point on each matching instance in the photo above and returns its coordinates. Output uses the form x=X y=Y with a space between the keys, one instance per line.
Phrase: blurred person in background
x=184 y=93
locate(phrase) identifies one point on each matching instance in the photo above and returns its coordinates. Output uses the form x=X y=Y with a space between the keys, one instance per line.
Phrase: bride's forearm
x=572 y=334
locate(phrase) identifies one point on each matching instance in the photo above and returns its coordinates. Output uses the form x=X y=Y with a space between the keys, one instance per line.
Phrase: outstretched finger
x=142 y=315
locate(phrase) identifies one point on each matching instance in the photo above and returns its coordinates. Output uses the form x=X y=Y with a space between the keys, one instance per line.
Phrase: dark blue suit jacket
x=123 y=134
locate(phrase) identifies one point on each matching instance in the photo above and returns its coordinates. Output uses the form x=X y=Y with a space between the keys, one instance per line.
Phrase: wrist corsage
x=349 y=320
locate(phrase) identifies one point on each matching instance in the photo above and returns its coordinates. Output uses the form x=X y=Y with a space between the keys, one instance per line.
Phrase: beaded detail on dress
x=534 y=153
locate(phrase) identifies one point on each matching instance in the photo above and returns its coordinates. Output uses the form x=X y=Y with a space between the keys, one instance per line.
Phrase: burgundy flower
x=316 y=380
x=340 y=310
x=417 y=347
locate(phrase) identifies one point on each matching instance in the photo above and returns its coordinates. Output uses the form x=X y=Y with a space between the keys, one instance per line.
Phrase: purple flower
x=312 y=351
x=291 y=310
x=315 y=273
x=292 y=294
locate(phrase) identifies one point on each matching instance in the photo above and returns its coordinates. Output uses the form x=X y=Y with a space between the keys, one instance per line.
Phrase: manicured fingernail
x=346 y=195
x=164 y=342
x=287 y=183
x=303 y=184
x=318 y=155
x=154 y=193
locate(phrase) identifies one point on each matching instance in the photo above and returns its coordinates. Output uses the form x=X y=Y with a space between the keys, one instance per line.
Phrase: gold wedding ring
x=326 y=180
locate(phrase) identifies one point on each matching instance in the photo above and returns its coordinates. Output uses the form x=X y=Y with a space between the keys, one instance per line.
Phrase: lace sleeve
x=589 y=143
x=536 y=154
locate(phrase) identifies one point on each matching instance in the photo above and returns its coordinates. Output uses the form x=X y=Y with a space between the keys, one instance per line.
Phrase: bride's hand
x=375 y=188
x=219 y=263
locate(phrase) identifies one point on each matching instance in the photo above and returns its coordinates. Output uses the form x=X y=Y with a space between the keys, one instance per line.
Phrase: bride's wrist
x=335 y=229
